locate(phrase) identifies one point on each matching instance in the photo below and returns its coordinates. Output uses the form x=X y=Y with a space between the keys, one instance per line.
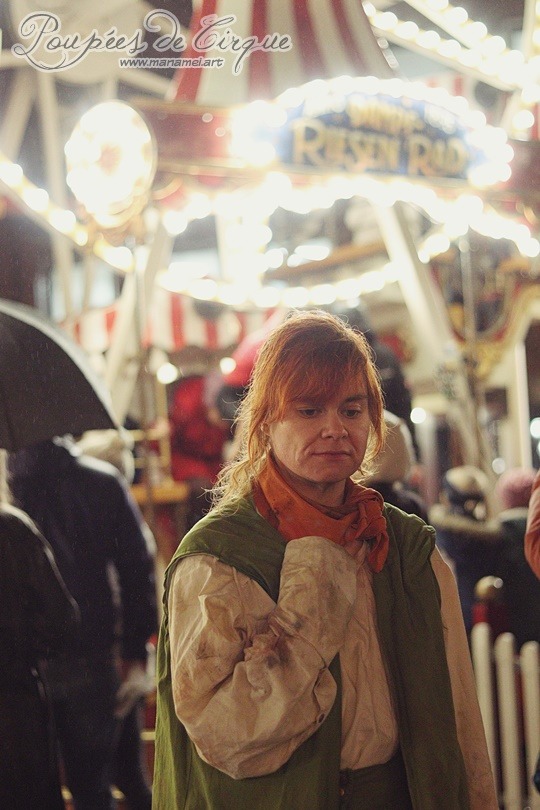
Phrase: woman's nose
x=334 y=426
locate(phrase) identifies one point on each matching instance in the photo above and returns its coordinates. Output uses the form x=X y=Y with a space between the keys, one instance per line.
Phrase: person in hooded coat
x=105 y=553
x=38 y=619
x=467 y=537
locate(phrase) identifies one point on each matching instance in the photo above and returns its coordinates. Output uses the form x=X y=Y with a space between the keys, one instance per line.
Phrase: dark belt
x=378 y=787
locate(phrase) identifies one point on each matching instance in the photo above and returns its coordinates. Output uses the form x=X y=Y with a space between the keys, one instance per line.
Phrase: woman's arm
x=470 y=727
x=250 y=678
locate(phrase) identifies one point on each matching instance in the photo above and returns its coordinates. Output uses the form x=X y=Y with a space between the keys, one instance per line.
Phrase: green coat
x=407 y=602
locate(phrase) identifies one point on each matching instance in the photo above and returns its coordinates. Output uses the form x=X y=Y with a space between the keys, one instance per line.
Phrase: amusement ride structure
x=279 y=110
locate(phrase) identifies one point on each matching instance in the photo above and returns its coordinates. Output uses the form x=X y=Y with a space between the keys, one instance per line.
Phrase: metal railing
x=508 y=685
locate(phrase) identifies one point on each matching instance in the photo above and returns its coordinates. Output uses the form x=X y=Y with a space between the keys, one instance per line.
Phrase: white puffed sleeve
x=250 y=677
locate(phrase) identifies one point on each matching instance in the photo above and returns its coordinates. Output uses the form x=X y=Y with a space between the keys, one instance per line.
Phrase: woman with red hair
x=312 y=654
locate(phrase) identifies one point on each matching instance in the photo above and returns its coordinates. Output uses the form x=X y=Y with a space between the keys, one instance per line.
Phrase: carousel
x=313 y=171
x=269 y=155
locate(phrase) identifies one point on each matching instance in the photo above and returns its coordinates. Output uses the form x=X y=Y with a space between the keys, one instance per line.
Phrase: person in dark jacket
x=521 y=586
x=38 y=619
x=85 y=510
x=469 y=539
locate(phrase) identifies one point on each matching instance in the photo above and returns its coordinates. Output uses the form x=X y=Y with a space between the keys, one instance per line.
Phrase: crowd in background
x=86 y=556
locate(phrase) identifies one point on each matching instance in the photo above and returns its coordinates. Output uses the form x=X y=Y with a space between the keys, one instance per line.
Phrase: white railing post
x=530 y=666
x=482 y=657
x=509 y=721
x=508 y=687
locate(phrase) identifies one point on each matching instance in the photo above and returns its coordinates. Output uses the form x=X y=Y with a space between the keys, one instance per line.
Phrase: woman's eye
x=308 y=411
x=352 y=413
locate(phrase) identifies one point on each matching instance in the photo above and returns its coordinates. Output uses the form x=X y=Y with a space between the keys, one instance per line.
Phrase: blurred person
x=396 y=392
x=115 y=446
x=312 y=652
x=393 y=466
x=465 y=534
x=532 y=534
x=521 y=587
x=103 y=550
x=198 y=435
x=234 y=383
x=532 y=555
x=130 y=770
x=38 y=619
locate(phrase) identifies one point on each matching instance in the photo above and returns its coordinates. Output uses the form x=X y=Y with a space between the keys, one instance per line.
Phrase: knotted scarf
x=360 y=517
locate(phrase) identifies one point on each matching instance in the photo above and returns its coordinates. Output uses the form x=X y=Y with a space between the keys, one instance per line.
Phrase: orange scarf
x=359 y=518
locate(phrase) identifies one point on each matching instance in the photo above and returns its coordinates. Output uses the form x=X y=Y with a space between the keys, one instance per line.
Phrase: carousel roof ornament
x=111 y=163
x=319 y=40
x=268 y=51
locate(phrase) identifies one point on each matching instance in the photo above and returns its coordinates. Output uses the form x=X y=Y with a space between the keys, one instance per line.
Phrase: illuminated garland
x=496 y=64
x=57 y=220
x=465 y=211
x=471 y=50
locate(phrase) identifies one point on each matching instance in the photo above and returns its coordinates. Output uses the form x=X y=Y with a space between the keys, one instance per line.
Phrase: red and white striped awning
x=174 y=324
x=330 y=38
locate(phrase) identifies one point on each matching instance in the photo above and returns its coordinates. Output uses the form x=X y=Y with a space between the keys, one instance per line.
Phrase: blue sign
x=376 y=133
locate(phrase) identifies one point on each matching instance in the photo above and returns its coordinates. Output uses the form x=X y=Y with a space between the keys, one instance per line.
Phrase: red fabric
x=359 y=518
x=244 y=356
x=495 y=614
x=247 y=350
x=260 y=75
x=532 y=537
x=189 y=80
x=196 y=441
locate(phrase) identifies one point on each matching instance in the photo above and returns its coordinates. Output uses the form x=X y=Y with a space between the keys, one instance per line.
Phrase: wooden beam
x=341 y=255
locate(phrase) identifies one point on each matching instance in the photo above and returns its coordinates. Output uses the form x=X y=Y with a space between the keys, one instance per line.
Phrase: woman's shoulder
x=238 y=536
x=412 y=540
x=405 y=521
x=234 y=514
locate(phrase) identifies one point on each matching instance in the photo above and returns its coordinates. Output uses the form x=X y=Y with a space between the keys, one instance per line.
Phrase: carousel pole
x=126 y=356
x=436 y=343
x=50 y=117
x=482 y=453
x=123 y=355
x=140 y=319
x=471 y=335
x=16 y=112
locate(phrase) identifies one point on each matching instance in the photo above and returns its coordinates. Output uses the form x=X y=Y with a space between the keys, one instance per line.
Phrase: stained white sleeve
x=250 y=678
x=470 y=727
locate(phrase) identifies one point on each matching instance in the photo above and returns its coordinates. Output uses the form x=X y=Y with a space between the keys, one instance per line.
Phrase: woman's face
x=319 y=444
